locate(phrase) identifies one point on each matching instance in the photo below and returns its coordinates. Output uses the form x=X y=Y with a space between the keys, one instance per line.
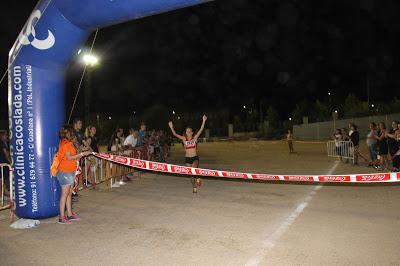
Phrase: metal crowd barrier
x=111 y=174
x=341 y=149
x=7 y=202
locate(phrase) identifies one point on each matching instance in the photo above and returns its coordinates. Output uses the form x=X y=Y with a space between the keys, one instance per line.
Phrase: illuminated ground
x=157 y=221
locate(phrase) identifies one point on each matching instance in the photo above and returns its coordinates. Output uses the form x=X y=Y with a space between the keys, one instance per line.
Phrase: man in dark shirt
x=77 y=124
x=393 y=147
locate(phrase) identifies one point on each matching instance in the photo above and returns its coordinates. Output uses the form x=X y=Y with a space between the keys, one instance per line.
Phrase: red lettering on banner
x=138 y=163
x=234 y=175
x=373 y=177
x=119 y=159
x=158 y=166
x=334 y=178
x=203 y=172
x=103 y=155
x=398 y=176
x=181 y=170
x=265 y=177
x=298 y=178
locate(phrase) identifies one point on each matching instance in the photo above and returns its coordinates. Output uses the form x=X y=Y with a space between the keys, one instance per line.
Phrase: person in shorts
x=68 y=157
x=189 y=140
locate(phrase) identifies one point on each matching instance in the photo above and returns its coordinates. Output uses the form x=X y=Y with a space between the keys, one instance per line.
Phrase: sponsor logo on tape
x=383 y=177
x=158 y=166
x=120 y=159
x=334 y=178
x=204 y=172
x=265 y=177
x=103 y=155
x=234 y=175
x=298 y=178
x=138 y=163
x=181 y=170
x=373 y=177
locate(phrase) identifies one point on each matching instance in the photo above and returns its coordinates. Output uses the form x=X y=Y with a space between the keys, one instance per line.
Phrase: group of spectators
x=383 y=145
x=151 y=145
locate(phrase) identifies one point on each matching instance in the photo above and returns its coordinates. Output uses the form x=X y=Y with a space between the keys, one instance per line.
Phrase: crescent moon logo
x=30 y=30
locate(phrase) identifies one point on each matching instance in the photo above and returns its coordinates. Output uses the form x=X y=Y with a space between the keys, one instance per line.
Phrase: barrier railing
x=340 y=149
x=7 y=200
x=97 y=171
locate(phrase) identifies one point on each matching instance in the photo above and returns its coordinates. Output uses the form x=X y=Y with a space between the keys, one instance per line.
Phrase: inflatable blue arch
x=52 y=35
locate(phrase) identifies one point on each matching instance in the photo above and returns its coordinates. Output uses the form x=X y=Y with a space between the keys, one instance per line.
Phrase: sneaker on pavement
x=115 y=185
x=74 y=217
x=64 y=220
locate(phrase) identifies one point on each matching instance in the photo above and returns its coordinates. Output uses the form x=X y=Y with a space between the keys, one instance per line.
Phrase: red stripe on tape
x=373 y=177
x=163 y=167
x=265 y=177
x=137 y=163
x=298 y=178
x=234 y=175
x=158 y=166
x=120 y=159
x=334 y=178
x=181 y=170
x=205 y=172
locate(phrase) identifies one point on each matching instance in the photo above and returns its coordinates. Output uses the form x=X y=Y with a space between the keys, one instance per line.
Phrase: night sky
x=231 y=53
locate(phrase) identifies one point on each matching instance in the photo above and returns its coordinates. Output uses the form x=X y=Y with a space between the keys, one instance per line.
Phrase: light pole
x=90 y=61
x=335 y=117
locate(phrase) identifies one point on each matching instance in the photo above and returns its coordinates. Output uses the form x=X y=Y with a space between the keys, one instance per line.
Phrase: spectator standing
x=345 y=148
x=355 y=139
x=372 y=144
x=394 y=145
x=391 y=139
x=142 y=133
x=289 y=138
x=383 y=149
x=91 y=144
x=337 y=137
x=131 y=140
x=116 y=145
x=77 y=124
x=66 y=173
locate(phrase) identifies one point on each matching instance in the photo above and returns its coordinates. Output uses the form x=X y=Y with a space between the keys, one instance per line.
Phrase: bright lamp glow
x=90 y=60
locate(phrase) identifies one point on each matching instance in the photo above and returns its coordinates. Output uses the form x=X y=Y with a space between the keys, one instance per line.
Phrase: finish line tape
x=185 y=170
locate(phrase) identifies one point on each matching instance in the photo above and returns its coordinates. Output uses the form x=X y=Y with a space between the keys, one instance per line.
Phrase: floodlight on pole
x=90 y=60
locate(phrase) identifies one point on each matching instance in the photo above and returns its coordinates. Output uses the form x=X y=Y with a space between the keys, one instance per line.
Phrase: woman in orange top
x=66 y=172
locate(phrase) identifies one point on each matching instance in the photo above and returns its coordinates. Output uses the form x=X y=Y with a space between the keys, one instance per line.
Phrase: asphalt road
x=156 y=220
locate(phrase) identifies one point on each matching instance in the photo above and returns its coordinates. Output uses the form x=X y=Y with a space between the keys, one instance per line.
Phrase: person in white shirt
x=131 y=141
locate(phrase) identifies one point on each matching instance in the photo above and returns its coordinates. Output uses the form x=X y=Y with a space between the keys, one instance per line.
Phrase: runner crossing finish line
x=185 y=170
